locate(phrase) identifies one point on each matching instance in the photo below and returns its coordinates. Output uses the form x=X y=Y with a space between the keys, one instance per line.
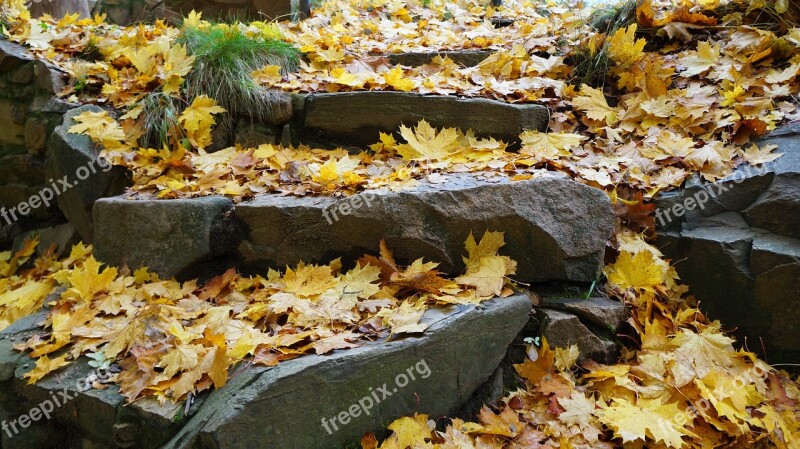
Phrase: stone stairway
x=555 y=228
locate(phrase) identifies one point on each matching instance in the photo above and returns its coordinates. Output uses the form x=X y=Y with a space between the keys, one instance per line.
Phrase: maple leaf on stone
x=44 y=366
x=549 y=146
x=198 y=119
x=425 y=143
x=404 y=319
x=101 y=128
x=486 y=270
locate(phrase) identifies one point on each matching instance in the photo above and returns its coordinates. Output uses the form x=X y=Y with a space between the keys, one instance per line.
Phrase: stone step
x=736 y=243
x=555 y=228
x=356 y=118
x=312 y=402
x=466 y=58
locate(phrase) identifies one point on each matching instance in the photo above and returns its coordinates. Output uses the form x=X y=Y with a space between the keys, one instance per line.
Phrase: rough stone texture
x=254 y=9
x=63 y=236
x=564 y=329
x=29 y=114
x=66 y=154
x=93 y=415
x=554 y=228
x=740 y=253
x=356 y=118
x=166 y=236
x=466 y=58
x=284 y=406
x=603 y=312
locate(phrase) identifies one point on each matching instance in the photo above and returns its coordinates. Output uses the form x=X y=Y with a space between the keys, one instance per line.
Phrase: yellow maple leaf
x=88 y=279
x=198 y=119
x=44 y=366
x=593 y=102
x=624 y=49
x=700 y=61
x=646 y=420
x=101 y=128
x=425 y=143
x=396 y=79
x=638 y=271
x=549 y=146
x=408 y=431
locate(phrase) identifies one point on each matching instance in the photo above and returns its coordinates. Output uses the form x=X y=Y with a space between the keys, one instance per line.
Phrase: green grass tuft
x=225 y=57
x=159 y=119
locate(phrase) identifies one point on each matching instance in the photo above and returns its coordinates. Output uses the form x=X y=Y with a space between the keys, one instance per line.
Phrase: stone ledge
x=283 y=406
x=357 y=118
x=555 y=228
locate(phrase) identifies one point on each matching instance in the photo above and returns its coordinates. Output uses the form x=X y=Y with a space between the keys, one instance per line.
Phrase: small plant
x=91 y=52
x=225 y=56
x=159 y=119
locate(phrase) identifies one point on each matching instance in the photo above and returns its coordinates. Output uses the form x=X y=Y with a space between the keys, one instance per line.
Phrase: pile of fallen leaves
x=172 y=338
x=685 y=386
x=689 y=85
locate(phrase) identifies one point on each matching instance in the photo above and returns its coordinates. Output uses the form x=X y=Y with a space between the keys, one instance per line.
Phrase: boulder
x=603 y=312
x=72 y=156
x=356 y=118
x=565 y=329
x=737 y=249
x=315 y=402
x=312 y=402
x=166 y=236
x=466 y=58
x=555 y=228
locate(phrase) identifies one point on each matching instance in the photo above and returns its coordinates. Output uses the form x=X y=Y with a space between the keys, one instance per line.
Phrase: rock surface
x=72 y=156
x=466 y=58
x=165 y=236
x=555 y=228
x=261 y=408
x=563 y=329
x=356 y=118
x=284 y=406
x=740 y=251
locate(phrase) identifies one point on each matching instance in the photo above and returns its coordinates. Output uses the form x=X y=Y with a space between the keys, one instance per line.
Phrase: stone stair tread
x=283 y=406
x=357 y=118
x=555 y=228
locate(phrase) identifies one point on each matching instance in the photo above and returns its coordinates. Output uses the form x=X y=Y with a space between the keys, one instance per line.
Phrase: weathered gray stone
x=67 y=154
x=778 y=208
x=12 y=55
x=466 y=58
x=603 y=312
x=284 y=406
x=555 y=228
x=165 y=236
x=62 y=236
x=564 y=329
x=249 y=134
x=355 y=118
x=48 y=78
x=740 y=252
